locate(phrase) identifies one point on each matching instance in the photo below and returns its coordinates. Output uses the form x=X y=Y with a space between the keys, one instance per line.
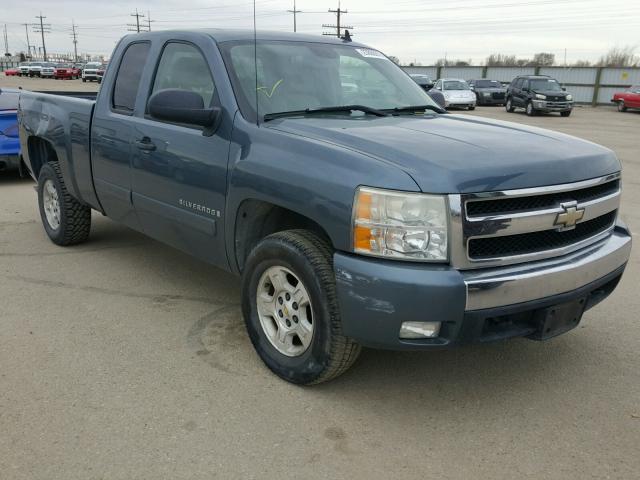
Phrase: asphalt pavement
x=124 y=359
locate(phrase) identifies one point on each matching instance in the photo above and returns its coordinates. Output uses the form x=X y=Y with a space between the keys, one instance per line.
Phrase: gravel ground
x=124 y=359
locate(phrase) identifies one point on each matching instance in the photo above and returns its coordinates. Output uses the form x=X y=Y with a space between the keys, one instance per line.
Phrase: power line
x=42 y=29
x=337 y=26
x=136 y=27
x=294 y=11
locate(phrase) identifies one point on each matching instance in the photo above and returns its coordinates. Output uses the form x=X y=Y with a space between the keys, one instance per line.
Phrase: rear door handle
x=145 y=144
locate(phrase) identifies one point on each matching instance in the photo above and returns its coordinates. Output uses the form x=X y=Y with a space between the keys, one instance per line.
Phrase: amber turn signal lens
x=362 y=238
x=364 y=206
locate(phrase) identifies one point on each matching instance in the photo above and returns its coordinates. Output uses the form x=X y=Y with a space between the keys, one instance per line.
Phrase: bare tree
x=620 y=57
x=394 y=59
x=543 y=59
x=501 y=60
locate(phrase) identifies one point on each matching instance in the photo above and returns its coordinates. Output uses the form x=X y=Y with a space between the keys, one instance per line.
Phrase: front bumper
x=546 y=106
x=376 y=296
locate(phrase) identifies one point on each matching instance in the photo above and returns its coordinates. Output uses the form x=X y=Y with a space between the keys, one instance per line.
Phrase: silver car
x=457 y=93
x=47 y=70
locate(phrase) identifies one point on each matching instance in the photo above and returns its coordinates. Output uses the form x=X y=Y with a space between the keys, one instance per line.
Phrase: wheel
x=65 y=220
x=84 y=80
x=509 y=106
x=565 y=114
x=621 y=106
x=290 y=308
x=530 y=110
x=472 y=107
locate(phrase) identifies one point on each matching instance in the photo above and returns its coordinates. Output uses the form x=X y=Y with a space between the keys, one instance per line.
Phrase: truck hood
x=460 y=153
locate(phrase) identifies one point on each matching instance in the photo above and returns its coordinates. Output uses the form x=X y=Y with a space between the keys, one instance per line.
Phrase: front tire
x=509 y=106
x=565 y=114
x=621 y=106
x=290 y=308
x=66 y=221
x=472 y=107
x=530 y=110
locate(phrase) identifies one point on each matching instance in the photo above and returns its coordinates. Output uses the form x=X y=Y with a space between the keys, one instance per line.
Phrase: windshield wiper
x=416 y=108
x=339 y=108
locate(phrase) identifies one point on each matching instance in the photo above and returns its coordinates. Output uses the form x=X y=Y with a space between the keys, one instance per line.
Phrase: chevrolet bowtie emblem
x=571 y=215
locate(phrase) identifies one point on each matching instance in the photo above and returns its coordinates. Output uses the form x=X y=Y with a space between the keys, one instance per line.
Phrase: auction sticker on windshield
x=370 y=53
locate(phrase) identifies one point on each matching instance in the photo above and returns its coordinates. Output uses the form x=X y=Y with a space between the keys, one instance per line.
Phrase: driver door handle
x=145 y=144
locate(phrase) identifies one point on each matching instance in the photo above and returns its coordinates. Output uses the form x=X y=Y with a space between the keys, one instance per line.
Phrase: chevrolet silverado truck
x=359 y=216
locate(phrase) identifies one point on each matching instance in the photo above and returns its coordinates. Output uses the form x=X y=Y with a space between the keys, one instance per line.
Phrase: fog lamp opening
x=413 y=330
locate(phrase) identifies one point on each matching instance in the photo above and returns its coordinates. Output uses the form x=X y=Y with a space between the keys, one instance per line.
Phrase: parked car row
x=533 y=93
x=92 y=71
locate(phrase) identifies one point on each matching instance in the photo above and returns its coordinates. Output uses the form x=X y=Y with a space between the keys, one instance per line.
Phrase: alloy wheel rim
x=51 y=204
x=284 y=310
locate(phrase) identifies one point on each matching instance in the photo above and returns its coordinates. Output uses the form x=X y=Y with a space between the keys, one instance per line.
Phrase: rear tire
x=303 y=266
x=66 y=221
x=621 y=106
x=472 y=107
x=509 y=106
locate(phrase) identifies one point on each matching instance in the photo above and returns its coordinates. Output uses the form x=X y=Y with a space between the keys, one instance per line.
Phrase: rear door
x=518 y=94
x=179 y=171
x=111 y=135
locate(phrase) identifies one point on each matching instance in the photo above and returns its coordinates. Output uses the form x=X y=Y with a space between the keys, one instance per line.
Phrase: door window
x=127 y=81
x=183 y=66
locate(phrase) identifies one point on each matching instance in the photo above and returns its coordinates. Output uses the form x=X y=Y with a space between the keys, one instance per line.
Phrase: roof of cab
x=229 y=35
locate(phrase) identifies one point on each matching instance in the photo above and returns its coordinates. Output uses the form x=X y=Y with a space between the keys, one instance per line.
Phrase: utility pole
x=337 y=26
x=149 y=21
x=42 y=29
x=294 y=11
x=136 y=27
x=74 y=34
x=6 y=42
x=26 y=30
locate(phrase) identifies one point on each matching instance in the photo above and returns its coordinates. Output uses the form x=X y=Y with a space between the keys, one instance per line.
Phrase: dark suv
x=538 y=93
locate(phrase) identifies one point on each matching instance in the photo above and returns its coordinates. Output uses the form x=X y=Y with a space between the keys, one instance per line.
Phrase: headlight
x=569 y=97
x=408 y=226
x=541 y=97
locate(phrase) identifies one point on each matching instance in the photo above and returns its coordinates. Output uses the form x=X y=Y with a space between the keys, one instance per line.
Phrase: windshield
x=295 y=76
x=63 y=65
x=545 y=84
x=456 y=85
x=488 y=84
x=94 y=64
x=635 y=89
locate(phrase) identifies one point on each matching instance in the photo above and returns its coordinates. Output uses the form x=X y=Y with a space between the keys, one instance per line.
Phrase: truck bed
x=63 y=121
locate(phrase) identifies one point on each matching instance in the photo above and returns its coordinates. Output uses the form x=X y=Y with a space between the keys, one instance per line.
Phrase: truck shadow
x=14 y=178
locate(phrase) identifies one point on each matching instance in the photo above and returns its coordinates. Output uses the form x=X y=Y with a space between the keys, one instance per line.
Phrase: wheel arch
x=256 y=219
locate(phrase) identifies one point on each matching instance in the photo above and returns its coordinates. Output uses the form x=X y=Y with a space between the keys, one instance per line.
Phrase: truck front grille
x=538 y=202
x=539 y=241
x=512 y=226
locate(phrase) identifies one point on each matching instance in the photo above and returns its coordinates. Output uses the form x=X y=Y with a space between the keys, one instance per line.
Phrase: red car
x=9 y=72
x=66 y=70
x=630 y=98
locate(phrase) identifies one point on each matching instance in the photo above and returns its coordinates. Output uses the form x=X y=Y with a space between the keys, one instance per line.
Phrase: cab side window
x=125 y=89
x=182 y=66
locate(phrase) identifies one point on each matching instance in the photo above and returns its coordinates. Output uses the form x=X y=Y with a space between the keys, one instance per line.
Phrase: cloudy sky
x=413 y=30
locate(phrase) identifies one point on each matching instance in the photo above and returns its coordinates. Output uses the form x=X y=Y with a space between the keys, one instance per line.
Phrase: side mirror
x=181 y=106
x=564 y=89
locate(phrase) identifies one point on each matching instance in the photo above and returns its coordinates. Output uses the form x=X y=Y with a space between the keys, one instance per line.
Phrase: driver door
x=179 y=170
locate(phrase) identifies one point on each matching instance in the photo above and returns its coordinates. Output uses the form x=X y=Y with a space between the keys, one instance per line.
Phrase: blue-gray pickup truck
x=356 y=210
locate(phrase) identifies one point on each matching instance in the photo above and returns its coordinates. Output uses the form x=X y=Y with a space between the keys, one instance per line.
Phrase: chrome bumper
x=497 y=287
